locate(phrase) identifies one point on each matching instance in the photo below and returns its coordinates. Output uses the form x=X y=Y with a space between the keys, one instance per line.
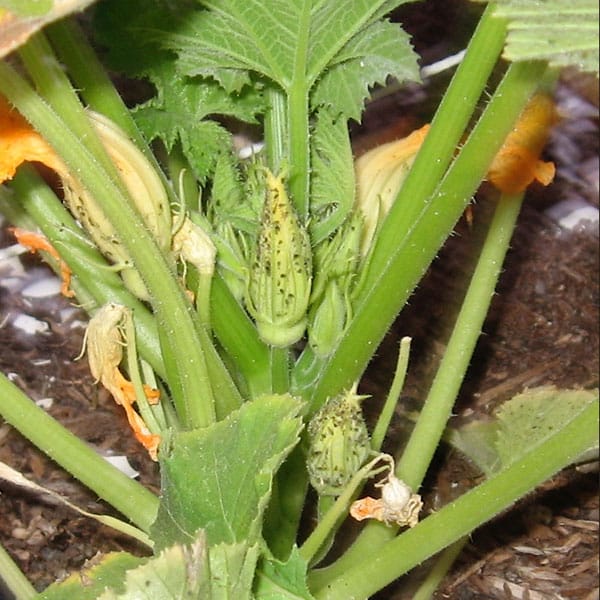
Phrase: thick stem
x=298 y=129
x=380 y=567
x=187 y=372
x=126 y=495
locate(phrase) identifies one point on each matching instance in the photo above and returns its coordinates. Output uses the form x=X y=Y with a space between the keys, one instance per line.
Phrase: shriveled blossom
x=518 y=163
x=104 y=346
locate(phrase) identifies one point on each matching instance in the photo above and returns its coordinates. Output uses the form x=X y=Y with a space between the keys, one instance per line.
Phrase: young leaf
x=219 y=478
x=338 y=46
x=332 y=183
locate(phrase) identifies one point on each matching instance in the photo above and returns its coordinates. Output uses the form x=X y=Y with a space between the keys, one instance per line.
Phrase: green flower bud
x=327 y=321
x=339 y=443
x=279 y=279
x=147 y=193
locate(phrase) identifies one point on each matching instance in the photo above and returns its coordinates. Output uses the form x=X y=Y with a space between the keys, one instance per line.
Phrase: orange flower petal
x=367 y=508
x=36 y=241
x=517 y=163
x=20 y=143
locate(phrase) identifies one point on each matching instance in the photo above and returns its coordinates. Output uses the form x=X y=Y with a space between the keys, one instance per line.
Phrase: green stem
x=56 y=89
x=14 y=579
x=237 y=334
x=84 y=260
x=426 y=435
x=440 y=569
x=276 y=127
x=379 y=567
x=280 y=370
x=126 y=495
x=188 y=376
x=436 y=411
x=385 y=416
x=408 y=257
x=92 y=81
x=354 y=351
x=298 y=130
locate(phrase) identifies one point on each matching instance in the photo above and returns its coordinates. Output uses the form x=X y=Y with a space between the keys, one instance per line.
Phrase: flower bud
x=327 y=321
x=380 y=174
x=146 y=191
x=194 y=245
x=279 y=278
x=339 y=443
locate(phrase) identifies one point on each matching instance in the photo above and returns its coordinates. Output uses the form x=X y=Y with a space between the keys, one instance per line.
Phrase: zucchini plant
x=235 y=302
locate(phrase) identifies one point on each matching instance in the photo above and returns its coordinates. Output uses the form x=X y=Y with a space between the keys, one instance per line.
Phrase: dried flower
x=397 y=504
x=104 y=346
x=517 y=163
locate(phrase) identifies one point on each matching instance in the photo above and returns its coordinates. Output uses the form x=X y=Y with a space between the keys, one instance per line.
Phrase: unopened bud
x=380 y=174
x=339 y=443
x=327 y=321
x=194 y=246
x=280 y=276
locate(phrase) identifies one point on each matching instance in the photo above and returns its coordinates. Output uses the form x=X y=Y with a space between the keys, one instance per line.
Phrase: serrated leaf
x=178 y=114
x=530 y=418
x=331 y=42
x=332 y=182
x=219 y=478
x=91 y=581
x=277 y=580
x=562 y=32
x=382 y=50
x=177 y=573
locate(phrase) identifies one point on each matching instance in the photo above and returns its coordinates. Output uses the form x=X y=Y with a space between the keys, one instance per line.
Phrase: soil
x=542 y=329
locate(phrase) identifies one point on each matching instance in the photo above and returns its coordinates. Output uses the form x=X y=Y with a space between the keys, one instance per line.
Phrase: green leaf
x=282 y=580
x=219 y=478
x=89 y=583
x=332 y=42
x=178 y=113
x=232 y=569
x=177 y=573
x=382 y=50
x=332 y=182
x=521 y=424
x=562 y=32
x=530 y=418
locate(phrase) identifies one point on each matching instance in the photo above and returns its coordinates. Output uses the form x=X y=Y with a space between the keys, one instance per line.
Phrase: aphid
x=517 y=163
